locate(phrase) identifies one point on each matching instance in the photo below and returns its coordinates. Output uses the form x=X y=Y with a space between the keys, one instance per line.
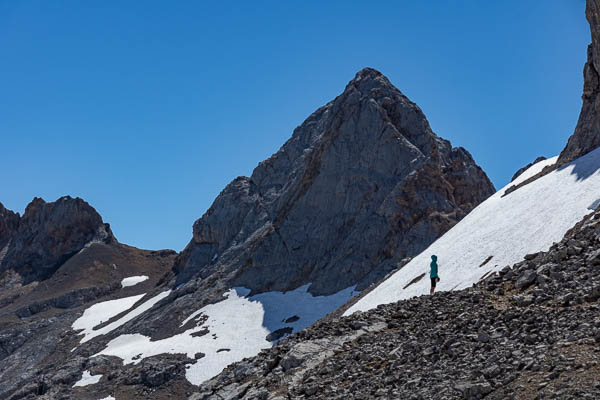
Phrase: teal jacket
x=433 y=273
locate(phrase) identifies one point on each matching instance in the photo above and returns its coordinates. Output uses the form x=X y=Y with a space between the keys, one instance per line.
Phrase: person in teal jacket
x=433 y=273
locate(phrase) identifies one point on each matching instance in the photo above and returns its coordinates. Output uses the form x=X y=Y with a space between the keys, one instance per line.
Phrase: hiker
x=433 y=273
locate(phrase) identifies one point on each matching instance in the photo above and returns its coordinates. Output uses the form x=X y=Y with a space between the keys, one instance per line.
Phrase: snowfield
x=105 y=310
x=87 y=379
x=101 y=312
x=232 y=329
x=133 y=280
x=528 y=220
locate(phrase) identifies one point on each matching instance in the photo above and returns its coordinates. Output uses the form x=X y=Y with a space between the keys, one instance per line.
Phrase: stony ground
x=531 y=331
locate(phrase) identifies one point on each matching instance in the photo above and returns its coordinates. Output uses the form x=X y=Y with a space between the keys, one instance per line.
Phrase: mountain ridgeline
x=361 y=185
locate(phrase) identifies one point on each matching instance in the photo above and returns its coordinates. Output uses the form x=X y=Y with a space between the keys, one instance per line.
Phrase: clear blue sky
x=148 y=109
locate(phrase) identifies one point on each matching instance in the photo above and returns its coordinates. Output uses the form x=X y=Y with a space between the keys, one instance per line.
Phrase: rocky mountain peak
x=361 y=184
x=48 y=234
x=367 y=79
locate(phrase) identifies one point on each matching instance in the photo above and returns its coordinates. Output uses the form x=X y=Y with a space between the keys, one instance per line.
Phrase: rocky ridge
x=530 y=331
x=47 y=235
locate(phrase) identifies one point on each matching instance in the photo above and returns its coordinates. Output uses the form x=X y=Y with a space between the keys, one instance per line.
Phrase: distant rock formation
x=47 y=235
x=361 y=184
x=9 y=222
x=56 y=260
x=525 y=168
x=587 y=132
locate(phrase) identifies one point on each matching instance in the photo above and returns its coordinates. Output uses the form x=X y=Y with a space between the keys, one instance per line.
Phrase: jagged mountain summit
x=35 y=245
x=362 y=184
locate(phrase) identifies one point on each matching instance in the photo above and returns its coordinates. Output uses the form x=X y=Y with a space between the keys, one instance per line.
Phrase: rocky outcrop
x=57 y=259
x=525 y=168
x=9 y=223
x=587 y=132
x=362 y=184
x=47 y=235
x=529 y=331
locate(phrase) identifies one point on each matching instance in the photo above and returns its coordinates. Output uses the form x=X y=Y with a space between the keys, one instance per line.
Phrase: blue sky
x=148 y=109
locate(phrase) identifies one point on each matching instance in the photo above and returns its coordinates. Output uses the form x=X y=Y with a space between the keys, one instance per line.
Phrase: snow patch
x=528 y=220
x=238 y=323
x=101 y=312
x=108 y=398
x=105 y=310
x=133 y=280
x=87 y=379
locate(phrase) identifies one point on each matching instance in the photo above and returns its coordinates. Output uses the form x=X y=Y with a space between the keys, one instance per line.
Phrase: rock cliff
x=587 y=132
x=47 y=235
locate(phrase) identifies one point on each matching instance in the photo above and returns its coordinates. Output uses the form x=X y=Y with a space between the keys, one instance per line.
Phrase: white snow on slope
x=100 y=312
x=133 y=280
x=87 y=379
x=108 y=398
x=105 y=310
x=237 y=328
x=526 y=221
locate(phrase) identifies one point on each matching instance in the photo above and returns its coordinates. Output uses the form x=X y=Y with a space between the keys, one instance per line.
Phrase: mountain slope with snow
x=528 y=220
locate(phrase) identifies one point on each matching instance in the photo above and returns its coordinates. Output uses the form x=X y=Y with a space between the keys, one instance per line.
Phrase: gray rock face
x=47 y=234
x=362 y=184
x=587 y=132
